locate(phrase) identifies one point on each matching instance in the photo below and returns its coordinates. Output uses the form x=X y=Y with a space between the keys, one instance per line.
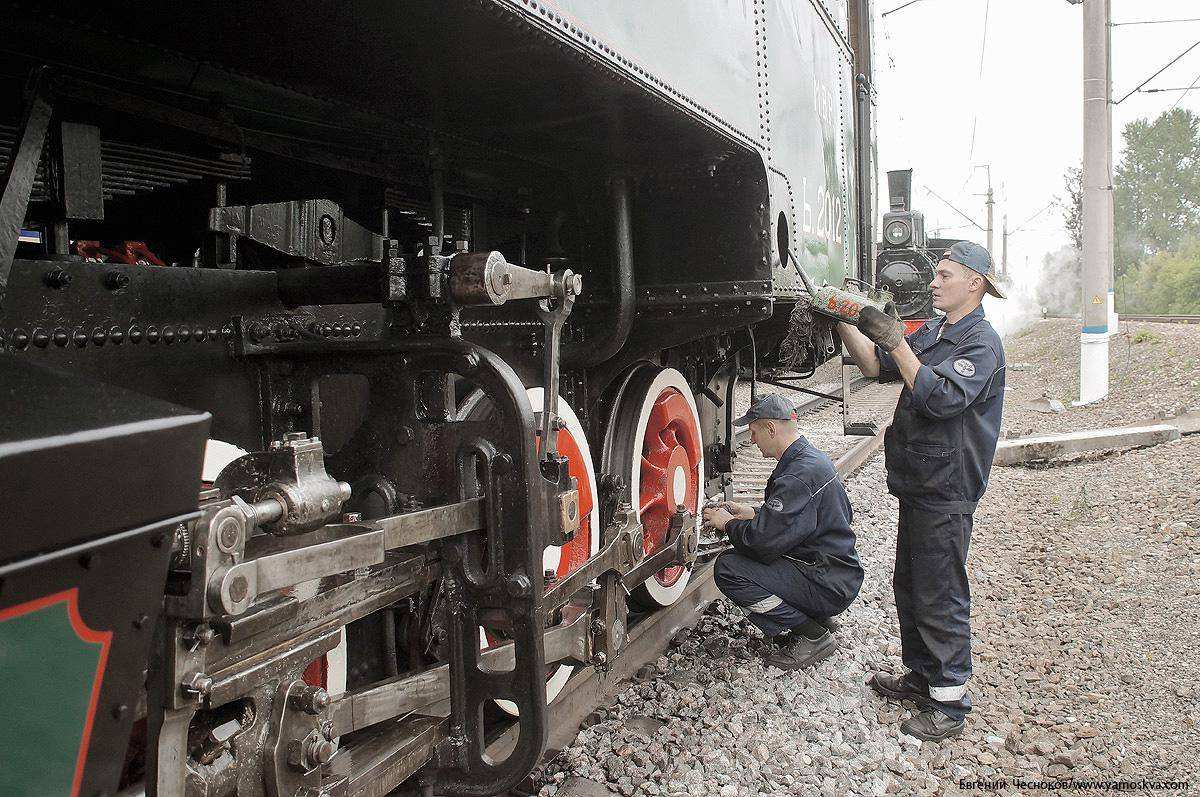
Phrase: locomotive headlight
x=897 y=232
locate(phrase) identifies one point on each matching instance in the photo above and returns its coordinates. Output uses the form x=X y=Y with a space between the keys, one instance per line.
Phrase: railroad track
x=811 y=404
x=1164 y=319
x=651 y=634
x=1153 y=319
x=821 y=424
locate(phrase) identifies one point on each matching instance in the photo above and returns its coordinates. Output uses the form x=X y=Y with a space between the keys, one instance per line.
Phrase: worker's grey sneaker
x=788 y=637
x=801 y=652
x=932 y=725
x=900 y=688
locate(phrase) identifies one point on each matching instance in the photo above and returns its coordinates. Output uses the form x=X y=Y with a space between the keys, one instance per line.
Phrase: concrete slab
x=1029 y=449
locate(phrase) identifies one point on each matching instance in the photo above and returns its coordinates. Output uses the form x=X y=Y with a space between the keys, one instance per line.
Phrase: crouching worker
x=793 y=564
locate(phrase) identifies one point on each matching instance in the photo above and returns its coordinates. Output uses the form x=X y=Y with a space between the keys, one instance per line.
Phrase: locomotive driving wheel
x=654 y=445
x=566 y=559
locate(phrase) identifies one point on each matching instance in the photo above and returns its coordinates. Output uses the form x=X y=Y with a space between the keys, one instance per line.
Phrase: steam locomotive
x=907 y=257
x=364 y=366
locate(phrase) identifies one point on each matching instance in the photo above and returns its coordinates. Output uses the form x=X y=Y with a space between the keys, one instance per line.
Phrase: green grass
x=1146 y=336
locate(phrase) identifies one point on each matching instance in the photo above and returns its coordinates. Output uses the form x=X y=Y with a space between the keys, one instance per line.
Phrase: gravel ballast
x=1154 y=370
x=1085 y=576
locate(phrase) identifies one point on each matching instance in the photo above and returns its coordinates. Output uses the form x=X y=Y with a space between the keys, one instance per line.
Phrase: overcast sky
x=1026 y=108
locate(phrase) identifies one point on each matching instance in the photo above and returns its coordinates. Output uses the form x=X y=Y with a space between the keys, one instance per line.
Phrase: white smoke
x=1051 y=287
x=1058 y=282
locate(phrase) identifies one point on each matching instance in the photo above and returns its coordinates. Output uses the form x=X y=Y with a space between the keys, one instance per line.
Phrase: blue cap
x=770 y=407
x=976 y=258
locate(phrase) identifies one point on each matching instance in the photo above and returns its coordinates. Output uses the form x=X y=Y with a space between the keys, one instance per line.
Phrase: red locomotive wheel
x=572 y=444
x=654 y=438
x=670 y=456
x=566 y=559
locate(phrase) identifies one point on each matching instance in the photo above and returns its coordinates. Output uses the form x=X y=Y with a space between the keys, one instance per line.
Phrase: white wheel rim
x=217 y=455
x=537 y=398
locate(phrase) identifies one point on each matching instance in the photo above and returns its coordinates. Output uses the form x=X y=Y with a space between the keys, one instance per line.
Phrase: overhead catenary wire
x=987 y=8
x=1033 y=218
x=1186 y=92
x=900 y=7
x=956 y=210
x=1159 y=72
x=1153 y=22
x=1159 y=91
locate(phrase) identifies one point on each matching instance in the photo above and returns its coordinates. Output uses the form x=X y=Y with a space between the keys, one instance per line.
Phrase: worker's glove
x=883 y=330
x=715 y=518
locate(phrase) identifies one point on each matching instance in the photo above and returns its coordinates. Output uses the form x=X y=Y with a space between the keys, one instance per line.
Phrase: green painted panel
x=47 y=673
x=809 y=90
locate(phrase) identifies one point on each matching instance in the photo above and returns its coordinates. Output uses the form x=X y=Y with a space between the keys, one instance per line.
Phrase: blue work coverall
x=938 y=453
x=796 y=560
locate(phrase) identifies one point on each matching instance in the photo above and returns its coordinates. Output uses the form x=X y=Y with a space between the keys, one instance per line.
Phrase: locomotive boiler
x=364 y=366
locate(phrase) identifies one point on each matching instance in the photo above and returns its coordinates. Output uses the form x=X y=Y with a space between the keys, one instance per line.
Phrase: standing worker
x=793 y=564
x=938 y=453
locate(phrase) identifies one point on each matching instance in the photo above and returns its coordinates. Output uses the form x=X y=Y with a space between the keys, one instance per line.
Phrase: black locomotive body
x=359 y=360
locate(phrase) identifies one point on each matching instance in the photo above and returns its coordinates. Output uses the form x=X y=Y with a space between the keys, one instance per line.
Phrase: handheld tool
x=845 y=304
x=713 y=542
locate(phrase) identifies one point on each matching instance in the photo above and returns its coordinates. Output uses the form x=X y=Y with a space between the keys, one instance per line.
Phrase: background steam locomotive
x=907 y=257
x=365 y=365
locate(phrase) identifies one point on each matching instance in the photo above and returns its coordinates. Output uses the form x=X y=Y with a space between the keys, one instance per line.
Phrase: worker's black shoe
x=788 y=637
x=900 y=688
x=932 y=725
x=802 y=652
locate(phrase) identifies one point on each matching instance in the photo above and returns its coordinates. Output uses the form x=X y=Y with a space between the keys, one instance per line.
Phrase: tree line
x=1156 y=257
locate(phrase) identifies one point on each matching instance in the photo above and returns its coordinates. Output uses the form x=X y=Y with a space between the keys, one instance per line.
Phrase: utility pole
x=1004 y=249
x=1111 y=249
x=1097 y=203
x=990 y=205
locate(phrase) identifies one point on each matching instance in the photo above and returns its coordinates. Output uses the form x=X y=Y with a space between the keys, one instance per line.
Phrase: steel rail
x=1163 y=319
x=811 y=404
x=1152 y=319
